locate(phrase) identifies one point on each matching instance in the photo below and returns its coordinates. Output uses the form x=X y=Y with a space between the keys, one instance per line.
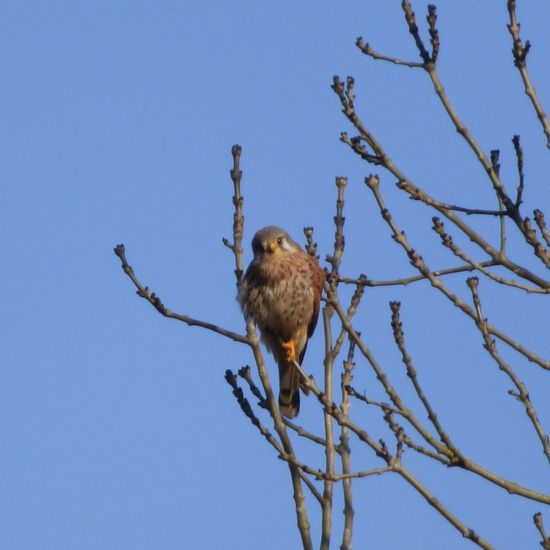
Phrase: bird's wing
x=319 y=279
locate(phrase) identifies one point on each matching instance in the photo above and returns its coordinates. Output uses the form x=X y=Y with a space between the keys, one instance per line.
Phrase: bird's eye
x=280 y=240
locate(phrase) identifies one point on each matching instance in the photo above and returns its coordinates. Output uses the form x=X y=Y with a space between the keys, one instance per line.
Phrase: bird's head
x=271 y=242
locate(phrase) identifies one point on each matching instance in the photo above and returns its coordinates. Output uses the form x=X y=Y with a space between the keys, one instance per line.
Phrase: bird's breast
x=279 y=296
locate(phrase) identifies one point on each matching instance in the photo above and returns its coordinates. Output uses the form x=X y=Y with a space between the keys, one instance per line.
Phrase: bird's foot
x=290 y=350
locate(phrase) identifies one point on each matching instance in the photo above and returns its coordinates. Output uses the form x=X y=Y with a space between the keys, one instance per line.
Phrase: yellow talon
x=290 y=350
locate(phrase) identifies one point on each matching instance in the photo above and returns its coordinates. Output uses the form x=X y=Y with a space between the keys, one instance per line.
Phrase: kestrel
x=281 y=292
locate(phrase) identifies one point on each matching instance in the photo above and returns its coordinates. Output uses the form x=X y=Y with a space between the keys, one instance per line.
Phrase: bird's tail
x=289 y=389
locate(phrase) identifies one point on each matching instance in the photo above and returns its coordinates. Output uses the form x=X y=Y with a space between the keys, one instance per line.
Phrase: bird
x=281 y=292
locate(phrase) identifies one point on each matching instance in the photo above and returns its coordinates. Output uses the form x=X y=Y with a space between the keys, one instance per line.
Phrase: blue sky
x=117 y=427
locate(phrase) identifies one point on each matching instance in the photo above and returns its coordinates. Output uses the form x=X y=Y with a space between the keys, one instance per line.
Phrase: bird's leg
x=290 y=350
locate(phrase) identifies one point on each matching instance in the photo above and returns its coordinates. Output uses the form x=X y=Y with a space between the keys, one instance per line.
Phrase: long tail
x=289 y=389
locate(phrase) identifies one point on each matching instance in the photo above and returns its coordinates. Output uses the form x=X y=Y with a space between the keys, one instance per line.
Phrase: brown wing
x=318 y=281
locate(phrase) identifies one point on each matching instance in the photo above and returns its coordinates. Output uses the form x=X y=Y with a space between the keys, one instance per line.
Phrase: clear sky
x=117 y=428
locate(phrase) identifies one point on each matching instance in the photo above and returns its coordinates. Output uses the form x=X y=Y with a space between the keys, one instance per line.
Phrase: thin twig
x=339 y=220
x=407 y=440
x=155 y=301
x=328 y=486
x=495 y=155
x=419 y=194
x=367 y=50
x=347 y=377
x=463 y=461
x=399 y=338
x=539 y=524
x=539 y=218
x=521 y=177
x=413 y=29
x=379 y=157
x=245 y=374
x=522 y=394
x=429 y=66
x=511 y=208
x=448 y=242
x=418 y=262
x=358 y=475
x=311 y=245
x=364 y=281
x=330 y=355
x=337 y=414
x=238 y=218
x=431 y=18
x=520 y=51
x=332 y=298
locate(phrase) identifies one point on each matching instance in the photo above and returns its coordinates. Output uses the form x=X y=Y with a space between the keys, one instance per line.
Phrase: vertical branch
x=413 y=29
x=520 y=51
x=345 y=451
x=522 y=394
x=466 y=532
x=519 y=157
x=299 y=499
x=311 y=245
x=253 y=341
x=495 y=155
x=372 y=183
x=399 y=338
x=328 y=485
x=330 y=356
x=339 y=220
x=539 y=524
x=238 y=218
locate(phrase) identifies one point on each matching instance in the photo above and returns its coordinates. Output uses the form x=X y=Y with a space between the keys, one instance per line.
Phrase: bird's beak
x=270 y=247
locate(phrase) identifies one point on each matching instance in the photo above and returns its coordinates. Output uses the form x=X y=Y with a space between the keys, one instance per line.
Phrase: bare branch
x=490 y=346
x=411 y=373
x=155 y=301
x=339 y=220
x=245 y=374
x=382 y=377
x=351 y=475
x=326 y=507
x=407 y=440
x=363 y=280
x=311 y=245
x=429 y=65
x=495 y=155
x=231 y=379
x=448 y=242
x=347 y=377
x=417 y=261
x=431 y=18
x=238 y=218
x=330 y=355
x=520 y=51
x=418 y=194
x=337 y=414
x=539 y=524
x=367 y=50
x=413 y=29
x=466 y=532
x=521 y=178
x=539 y=218
x=379 y=157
